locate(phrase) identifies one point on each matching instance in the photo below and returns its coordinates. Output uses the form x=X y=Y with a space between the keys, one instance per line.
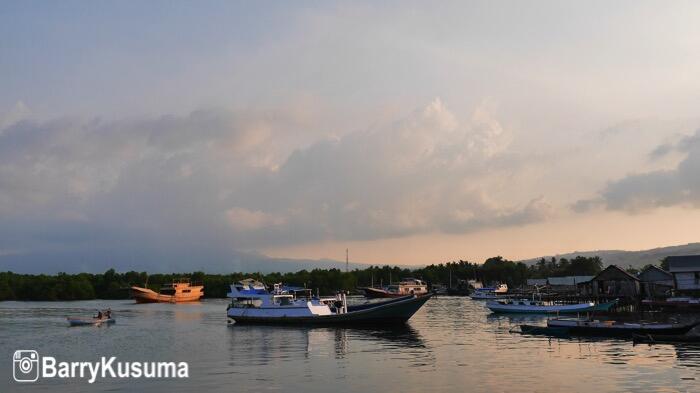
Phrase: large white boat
x=490 y=293
x=280 y=306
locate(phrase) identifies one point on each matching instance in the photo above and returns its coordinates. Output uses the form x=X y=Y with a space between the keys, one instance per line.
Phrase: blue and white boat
x=524 y=306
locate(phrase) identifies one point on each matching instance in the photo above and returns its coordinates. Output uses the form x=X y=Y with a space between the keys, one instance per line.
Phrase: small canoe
x=77 y=321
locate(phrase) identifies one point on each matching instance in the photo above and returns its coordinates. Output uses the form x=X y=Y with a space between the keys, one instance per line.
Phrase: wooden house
x=612 y=282
x=656 y=282
x=686 y=273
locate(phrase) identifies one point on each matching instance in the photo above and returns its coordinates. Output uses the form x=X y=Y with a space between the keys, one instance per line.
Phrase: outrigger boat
x=298 y=307
x=180 y=291
x=524 y=306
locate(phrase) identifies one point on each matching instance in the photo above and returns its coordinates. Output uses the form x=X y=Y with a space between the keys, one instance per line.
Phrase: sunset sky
x=187 y=135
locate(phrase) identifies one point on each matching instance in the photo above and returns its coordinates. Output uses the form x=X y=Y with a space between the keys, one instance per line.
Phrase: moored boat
x=524 y=306
x=619 y=329
x=300 y=308
x=407 y=286
x=544 y=330
x=490 y=293
x=180 y=291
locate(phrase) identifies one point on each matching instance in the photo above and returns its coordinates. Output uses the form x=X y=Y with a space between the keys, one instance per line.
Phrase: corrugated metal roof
x=683 y=263
x=654 y=273
x=536 y=281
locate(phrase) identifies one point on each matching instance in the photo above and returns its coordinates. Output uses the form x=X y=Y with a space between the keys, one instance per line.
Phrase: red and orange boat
x=180 y=291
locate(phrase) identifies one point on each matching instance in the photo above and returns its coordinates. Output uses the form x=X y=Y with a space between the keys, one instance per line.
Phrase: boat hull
x=477 y=296
x=602 y=329
x=393 y=312
x=544 y=330
x=145 y=295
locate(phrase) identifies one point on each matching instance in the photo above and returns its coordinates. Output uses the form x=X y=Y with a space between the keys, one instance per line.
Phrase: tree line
x=114 y=285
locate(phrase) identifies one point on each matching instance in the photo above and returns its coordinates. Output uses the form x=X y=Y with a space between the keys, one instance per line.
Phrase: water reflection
x=265 y=344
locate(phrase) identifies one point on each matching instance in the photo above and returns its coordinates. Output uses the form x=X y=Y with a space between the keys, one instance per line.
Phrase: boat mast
x=347 y=261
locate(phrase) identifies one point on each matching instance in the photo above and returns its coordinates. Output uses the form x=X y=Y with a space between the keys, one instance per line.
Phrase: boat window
x=185 y=291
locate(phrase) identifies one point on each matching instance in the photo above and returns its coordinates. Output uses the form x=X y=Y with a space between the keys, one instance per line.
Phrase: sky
x=174 y=135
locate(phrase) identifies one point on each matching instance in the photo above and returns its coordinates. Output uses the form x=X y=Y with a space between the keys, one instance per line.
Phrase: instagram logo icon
x=25 y=366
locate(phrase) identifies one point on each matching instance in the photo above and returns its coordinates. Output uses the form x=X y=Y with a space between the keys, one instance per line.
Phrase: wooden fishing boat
x=300 y=308
x=180 y=291
x=619 y=329
x=407 y=286
x=524 y=306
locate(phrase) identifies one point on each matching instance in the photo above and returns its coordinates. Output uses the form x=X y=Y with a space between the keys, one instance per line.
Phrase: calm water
x=451 y=344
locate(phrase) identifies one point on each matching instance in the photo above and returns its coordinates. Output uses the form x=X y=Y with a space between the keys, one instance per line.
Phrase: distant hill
x=264 y=264
x=636 y=259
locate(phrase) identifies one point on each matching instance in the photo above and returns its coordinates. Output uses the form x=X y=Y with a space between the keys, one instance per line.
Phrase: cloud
x=215 y=182
x=245 y=220
x=641 y=192
x=19 y=112
x=421 y=174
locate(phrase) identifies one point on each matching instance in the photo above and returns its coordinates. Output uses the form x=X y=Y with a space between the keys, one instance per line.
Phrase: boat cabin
x=181 y=286
x=409 y=286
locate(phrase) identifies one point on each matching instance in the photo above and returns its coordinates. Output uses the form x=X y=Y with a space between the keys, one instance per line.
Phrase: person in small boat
x=108 y=313
x=99 y=314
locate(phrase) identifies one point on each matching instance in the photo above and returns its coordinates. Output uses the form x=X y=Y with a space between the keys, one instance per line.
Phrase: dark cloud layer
x=195 y=190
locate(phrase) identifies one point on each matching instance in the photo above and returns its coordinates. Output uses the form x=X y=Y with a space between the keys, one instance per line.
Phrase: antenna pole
x=347 y=261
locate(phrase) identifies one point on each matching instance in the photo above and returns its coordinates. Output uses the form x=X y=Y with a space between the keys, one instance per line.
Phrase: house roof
x=614 y=270
x=569 y=280
x=650 y=271
x=683 y=263
x=536 y=281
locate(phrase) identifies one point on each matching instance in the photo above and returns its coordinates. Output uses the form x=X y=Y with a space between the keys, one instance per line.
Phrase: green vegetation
x=113 y=285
